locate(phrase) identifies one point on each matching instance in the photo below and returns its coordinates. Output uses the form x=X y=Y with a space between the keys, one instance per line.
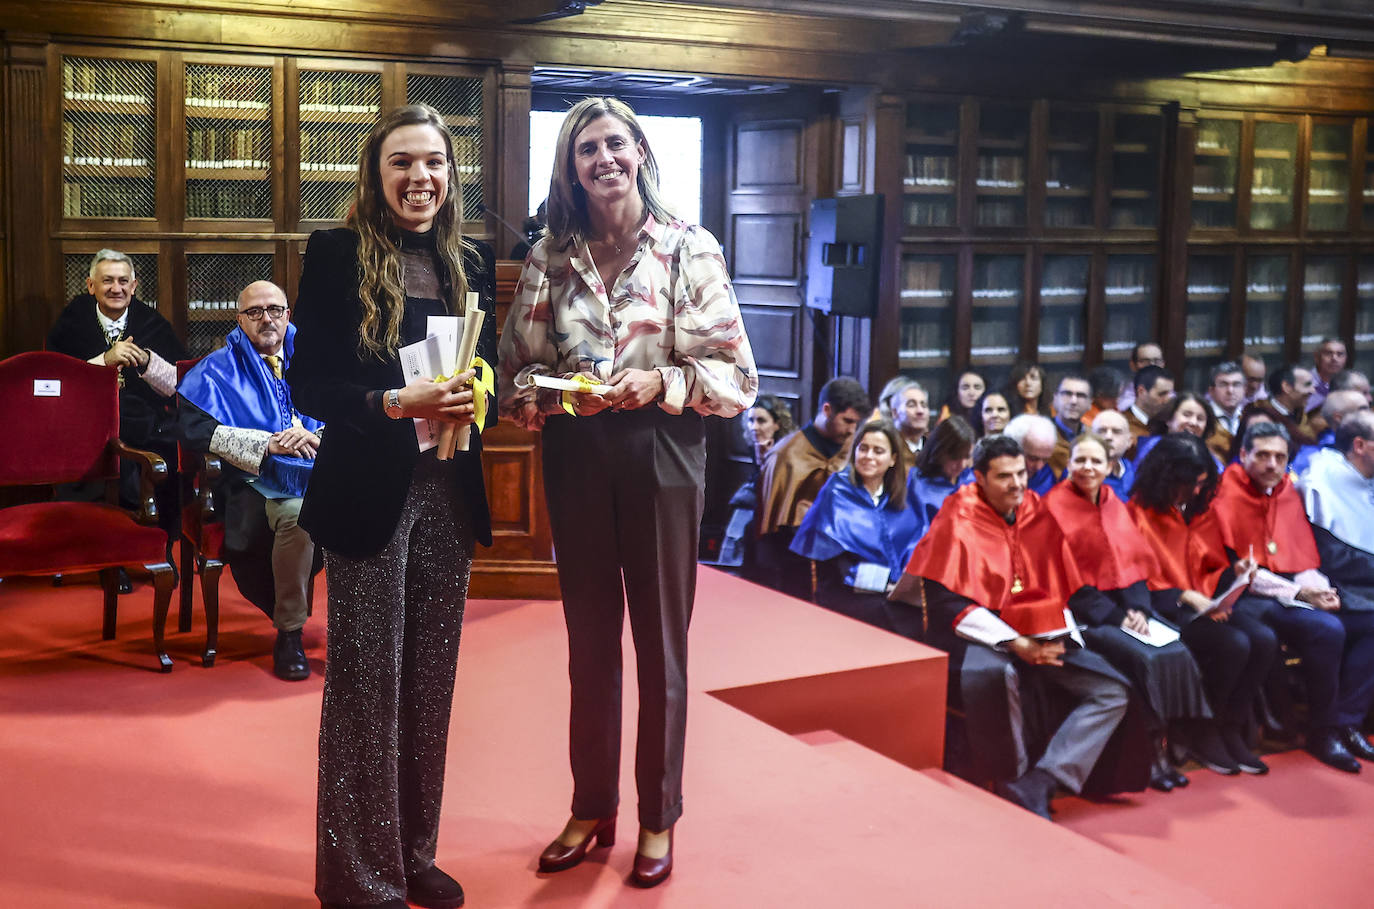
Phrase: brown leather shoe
x=650 y=872
x=560 y=857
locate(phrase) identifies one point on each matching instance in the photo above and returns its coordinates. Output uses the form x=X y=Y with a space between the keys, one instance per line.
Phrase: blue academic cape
x=845 y=519
x=1122 y=485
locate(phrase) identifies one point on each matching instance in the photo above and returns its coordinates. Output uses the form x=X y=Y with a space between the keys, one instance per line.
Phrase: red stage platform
x=812 y=757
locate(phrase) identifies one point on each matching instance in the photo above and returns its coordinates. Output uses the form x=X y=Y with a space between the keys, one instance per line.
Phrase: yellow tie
x=273 y=361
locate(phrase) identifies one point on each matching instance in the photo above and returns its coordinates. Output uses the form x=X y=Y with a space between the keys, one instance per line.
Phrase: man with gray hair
x=1352 y=380
x=110 y=326
x=906 y=403
x=1336 y=408
x=1037 y=437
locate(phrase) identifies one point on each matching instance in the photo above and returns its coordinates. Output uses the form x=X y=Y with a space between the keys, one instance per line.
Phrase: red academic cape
x=1108 y=550
x=971 y=551
x=1272 y=527
x=1190 y=556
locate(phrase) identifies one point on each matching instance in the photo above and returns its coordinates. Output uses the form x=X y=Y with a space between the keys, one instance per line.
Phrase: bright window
x=676 y=142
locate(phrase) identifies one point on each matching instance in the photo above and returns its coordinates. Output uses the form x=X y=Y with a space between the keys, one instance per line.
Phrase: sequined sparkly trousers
x=625 y=501
x=394 y=623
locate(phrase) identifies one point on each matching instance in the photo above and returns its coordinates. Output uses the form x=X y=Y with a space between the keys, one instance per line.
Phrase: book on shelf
x=108 y=81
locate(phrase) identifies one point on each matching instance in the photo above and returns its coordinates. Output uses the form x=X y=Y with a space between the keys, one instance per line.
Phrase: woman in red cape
x=1170 y=505
x=1114 y=605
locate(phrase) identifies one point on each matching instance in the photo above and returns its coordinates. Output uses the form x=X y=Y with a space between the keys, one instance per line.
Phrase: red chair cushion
x=52 y=537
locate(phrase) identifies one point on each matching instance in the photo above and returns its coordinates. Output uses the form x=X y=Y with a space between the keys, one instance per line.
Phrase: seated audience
x=1071 y=400
x=1255 y=375
x=967 y=391
x=907 y=406
x=991 y=414
x=1226 y=400
x=1262 y=513
x=236 y=405
x=1187 y=412
x=792 y=475
x=1146 y=353
x=1111 y=427
x=765 y=423
x=859 y=531
x=1338 y=491
x=1327 y=360
x=1113 y=604
x=996 y=589
x=1036 y=437
x=1289 y=388
x=939 y=470
x=1025 y=389
x=1170 y=506
x=1154 y=389
x=1339 y=405
x=1352 y=380
x=110 y=326
x=1106 y=382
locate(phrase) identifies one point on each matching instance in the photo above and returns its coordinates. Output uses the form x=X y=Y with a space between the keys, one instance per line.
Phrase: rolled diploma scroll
x=453 y=437
x=565 y=385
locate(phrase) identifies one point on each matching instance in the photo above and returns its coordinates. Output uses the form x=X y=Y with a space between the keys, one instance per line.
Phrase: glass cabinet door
x=1209 y=316
x=928 y=283
x=458 y=99
x=1362 y=357
x=931 y=181
x=998 y=282
x=109 y=138
x=1135 y=171
x=1071 y=168
x=1272 y=177
x=1063 y=308
x=228 y=141
x=1266 y=297
x=1130 y=307
x=213 y=282
x=1216 y=155
x=1323 y=286
x=1328 y=185
x=337 y=109
x=1000 y=187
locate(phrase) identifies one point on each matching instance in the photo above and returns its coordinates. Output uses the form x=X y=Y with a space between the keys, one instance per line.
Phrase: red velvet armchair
x=61 y=425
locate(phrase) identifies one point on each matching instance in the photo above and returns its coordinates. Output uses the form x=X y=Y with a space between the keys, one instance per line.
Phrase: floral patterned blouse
x=672 y=309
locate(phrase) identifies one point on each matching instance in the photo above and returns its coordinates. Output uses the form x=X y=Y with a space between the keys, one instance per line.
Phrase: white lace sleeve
x=244 y=448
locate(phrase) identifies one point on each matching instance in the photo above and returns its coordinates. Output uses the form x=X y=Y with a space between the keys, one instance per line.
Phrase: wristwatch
x=393 y=404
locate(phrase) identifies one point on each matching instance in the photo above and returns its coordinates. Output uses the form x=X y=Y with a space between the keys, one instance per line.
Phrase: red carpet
x=125 y=788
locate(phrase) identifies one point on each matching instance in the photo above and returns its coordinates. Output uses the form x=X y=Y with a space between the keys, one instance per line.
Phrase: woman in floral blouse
x=621 y=295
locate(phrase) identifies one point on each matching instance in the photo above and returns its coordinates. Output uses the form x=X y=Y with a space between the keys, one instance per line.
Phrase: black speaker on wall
x=843 y=255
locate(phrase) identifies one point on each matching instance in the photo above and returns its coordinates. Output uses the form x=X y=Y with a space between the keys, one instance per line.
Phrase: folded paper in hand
x=439 y=356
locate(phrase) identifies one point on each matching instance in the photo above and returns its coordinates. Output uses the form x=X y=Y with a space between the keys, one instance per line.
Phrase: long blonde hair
x=568 y=219
x=382 y=288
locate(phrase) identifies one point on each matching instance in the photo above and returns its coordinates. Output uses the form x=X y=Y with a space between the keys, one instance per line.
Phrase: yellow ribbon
x=583 y=384
x=485 y=382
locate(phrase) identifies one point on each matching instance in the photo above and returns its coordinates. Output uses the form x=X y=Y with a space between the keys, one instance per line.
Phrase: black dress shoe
x=433 y=889
x=1245 y=759
x=1205 y=746
x=388 y=904
x=288 y=657
x=1031 y=791
x=1357 y=744
x=1326 y=746
x=1176 y=776
x=122 y=581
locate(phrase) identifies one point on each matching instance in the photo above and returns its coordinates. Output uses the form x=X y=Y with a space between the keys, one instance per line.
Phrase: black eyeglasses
x=254 y=313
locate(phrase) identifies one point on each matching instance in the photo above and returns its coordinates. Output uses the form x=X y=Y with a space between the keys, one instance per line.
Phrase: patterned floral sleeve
x=244 y=448
x=713 y=371
x=527 y=346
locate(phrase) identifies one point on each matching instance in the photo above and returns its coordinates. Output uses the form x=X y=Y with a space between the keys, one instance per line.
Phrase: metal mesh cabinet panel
x=76 y=267
x=109 y=138
x=213 y=282
x=228 y=141
x=336 y=111
x=458 y=99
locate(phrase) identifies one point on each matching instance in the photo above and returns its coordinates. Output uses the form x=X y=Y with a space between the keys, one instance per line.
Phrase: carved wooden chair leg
x=188 y=567
x=109 y=583
x=163 y=579
x=209 y=589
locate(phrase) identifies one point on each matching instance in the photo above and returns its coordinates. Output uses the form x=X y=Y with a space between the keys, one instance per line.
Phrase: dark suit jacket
x=365 y=462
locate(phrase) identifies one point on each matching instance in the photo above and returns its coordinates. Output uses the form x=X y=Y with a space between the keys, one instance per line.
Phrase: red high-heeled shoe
x=559 y=857
x=650 y=872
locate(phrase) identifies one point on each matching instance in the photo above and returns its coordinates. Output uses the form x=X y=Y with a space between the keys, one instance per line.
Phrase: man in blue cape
x=234 y=404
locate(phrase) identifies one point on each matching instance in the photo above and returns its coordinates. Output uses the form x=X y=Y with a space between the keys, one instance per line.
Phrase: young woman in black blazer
x=397 y=525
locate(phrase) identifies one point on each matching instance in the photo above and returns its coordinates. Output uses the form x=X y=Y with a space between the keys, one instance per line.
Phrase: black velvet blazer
x=365 y=462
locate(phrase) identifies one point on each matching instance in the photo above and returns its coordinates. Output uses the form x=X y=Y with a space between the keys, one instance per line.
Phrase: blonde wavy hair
x=567 y=203
x=382 y=287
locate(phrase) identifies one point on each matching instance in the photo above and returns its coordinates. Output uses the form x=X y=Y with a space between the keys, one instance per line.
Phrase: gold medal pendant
x=1017 y=586
x=1272 y=547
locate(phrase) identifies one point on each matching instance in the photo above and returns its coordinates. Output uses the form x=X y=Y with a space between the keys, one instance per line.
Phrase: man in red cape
x=995 y=584
x=1262 y=517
